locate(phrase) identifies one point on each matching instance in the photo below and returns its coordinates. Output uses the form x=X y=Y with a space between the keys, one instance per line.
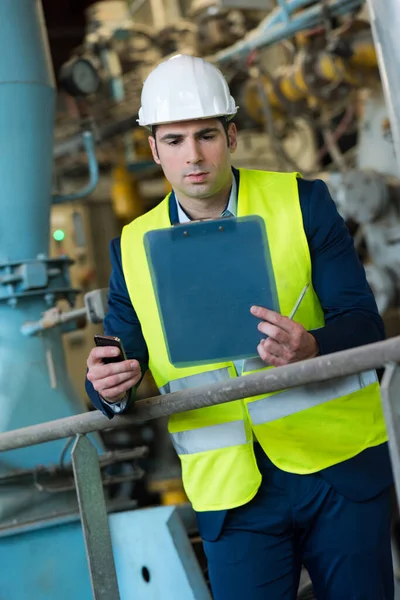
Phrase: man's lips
x=197 y=177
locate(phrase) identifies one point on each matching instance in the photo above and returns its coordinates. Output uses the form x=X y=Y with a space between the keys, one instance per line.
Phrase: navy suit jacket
x=351 y=319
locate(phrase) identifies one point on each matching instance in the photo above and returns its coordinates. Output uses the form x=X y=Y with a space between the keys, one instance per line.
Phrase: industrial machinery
x=306 y=76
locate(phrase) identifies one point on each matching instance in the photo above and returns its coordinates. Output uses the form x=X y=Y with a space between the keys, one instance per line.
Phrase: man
x=304 y=479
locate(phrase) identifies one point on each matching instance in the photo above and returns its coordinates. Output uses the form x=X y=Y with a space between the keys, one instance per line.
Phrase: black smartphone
x=109 y=340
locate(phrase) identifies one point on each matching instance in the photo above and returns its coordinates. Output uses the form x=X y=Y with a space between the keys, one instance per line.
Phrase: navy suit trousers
x=297 y=520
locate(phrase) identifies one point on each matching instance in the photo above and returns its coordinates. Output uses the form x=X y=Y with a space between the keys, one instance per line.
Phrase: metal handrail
x=330 y=366
x=85 y=461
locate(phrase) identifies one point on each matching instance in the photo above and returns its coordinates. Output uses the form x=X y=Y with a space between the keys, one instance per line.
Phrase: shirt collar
x=231 y=207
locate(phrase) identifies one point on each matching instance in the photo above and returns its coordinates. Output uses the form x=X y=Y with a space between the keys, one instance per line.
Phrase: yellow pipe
x=253 y=103
x=273 y=98
x=364 y=55
x=293 y=86
x=334 y=69
x=289 y=87
x=125 y=197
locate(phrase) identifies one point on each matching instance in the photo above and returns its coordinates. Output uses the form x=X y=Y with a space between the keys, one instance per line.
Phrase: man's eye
x=208 y=137
x=173 y=142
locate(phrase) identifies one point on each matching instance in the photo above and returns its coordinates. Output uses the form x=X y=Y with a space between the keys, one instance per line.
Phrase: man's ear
x=154 y=151
x=232 y=137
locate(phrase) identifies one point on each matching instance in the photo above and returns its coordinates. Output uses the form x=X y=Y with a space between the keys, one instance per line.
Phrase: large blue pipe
x=27 y=101
x=34 y=386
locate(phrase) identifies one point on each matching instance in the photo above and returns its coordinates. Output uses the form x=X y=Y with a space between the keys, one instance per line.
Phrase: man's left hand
x=287 y=341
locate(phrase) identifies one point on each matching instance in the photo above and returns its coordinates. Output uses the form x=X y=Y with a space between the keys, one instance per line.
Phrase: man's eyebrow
x=171 y=136
x=206 y=131
x=176 y=136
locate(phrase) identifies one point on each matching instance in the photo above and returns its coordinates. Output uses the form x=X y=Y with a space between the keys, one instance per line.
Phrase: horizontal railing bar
x=321 y=368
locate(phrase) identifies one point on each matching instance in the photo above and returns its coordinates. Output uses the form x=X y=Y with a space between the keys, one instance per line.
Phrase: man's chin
x=199 y=190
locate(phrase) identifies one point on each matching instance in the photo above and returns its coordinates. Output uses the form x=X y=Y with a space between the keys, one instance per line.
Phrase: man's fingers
x=111 y=380
x=101 y=371
x=272 y=317
x=97 y=354
x=274 y=332
x=113 y=392
x=265 y=313
x=268 y=357
x=278 y=350
x=114 y=381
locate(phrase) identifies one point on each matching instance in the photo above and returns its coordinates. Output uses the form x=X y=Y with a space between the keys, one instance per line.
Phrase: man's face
x=195 y=156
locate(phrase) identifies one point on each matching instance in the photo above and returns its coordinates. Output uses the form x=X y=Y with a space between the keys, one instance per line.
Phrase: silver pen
x=299 y=300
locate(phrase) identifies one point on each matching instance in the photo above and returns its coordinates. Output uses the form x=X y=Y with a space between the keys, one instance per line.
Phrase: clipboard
x=206 y=275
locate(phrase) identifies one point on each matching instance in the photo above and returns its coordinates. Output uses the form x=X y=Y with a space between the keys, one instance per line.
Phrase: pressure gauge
x=79 y=77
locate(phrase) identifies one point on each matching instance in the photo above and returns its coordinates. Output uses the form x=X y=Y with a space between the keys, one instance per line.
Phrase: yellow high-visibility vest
x=302 y=430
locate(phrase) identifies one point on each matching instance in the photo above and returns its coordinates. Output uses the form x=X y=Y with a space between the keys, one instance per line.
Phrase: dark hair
x=225 y=124
x=223 y=120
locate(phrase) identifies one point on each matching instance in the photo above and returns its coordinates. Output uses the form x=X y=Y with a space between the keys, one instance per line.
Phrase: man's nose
x=194 y=155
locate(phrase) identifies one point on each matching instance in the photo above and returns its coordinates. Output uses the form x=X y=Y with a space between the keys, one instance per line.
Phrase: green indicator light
x=59 y=235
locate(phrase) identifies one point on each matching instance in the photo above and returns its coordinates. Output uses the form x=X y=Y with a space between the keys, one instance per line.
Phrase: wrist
x=314 y=347
x=115 y=399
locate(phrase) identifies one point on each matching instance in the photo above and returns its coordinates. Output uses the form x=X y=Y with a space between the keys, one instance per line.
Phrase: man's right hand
x=112 y=380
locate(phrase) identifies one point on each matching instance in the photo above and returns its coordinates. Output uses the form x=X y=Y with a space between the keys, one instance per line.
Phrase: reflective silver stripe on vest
x=213 y=437
x=192 y=381
x=300 y=398
x=253 y=364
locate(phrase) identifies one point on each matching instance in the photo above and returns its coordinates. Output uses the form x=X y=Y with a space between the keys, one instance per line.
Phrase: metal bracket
x=41 y=276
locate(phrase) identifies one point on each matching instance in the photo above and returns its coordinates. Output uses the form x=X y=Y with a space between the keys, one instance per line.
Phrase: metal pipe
x=385 y=24
x=284 y=11
x=93 y=173
x=51 y=319
x=135 y=5
x=27 y=100
x=174 y=10
x=75 y=142
x=280 y=16
x=273 y=31
x=27 y=107
x=158 y=13
x=330 y=366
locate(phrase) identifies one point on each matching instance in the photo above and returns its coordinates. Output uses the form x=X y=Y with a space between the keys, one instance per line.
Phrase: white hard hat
x=184 y=88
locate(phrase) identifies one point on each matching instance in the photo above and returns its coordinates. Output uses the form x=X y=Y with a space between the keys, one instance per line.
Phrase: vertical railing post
x=390 y=393
x=96 y=531
x=385 y=23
